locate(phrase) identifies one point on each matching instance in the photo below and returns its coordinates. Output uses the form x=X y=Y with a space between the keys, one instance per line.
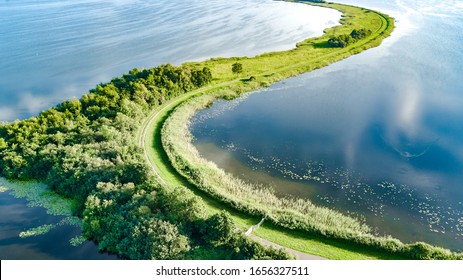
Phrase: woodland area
x=85 y=150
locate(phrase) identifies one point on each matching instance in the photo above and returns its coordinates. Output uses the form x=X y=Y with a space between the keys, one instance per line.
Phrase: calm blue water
x=16 y=217
x=379 y=134
x=52 y=50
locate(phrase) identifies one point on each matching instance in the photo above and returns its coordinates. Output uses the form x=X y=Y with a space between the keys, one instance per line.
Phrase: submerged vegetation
x=39 y=195
x=43 y=229
x=85 y=150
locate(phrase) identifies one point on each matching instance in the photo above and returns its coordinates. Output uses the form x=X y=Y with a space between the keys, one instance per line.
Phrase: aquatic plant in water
x=40 y=230
x=77 y=240
x=39 y=195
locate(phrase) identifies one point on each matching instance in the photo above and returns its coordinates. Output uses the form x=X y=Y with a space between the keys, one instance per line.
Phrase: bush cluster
x=85 y=150
x=344 y=40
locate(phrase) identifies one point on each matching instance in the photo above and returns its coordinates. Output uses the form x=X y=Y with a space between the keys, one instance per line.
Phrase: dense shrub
x=237 y=68
x=344 y=40
x=84 y=149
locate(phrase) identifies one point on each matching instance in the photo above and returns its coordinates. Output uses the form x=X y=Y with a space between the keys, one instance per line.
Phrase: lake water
x=52 y=50
x=16 y=217
x=378 y=135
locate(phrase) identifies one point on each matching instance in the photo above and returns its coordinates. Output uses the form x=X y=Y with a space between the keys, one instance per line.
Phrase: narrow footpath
x=155 y=119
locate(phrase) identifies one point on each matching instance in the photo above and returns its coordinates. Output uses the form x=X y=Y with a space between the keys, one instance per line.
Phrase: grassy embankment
x=312 y=225
x=264 y=70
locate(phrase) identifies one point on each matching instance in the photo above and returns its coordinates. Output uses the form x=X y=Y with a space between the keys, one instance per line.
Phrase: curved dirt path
x=142 y=142
x=161 y=167
x=297 y=254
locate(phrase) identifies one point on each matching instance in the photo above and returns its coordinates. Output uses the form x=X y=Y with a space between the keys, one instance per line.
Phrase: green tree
x=201 y=77
x=3 y=144
x=155 y=239
x=237 y=68
x=340 y=41
x=359 y=34
x=218 y=229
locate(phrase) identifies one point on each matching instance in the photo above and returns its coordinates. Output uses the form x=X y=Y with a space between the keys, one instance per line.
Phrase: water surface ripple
x=52 y=50
x=378 y=135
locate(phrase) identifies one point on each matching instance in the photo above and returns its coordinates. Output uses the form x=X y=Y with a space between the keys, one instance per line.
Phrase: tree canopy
x=84 y=149
x=344 y=40
x=237 y=68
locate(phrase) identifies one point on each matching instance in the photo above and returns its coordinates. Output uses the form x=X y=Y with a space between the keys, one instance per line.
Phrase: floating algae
x=40 y=230
x=77 y=240
x=346 y=189
x=39 y=195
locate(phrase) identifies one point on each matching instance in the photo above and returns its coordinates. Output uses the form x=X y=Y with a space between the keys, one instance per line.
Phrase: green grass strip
x=261 y=71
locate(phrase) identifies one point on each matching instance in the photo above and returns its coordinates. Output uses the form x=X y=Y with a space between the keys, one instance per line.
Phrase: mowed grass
x=266 y=69
x=167 y=175
x=330 y=249
x=310 y=54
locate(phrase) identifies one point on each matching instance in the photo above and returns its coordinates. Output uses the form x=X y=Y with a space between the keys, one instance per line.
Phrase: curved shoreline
x=232 y=88
x=84 y=149
x=255 y=200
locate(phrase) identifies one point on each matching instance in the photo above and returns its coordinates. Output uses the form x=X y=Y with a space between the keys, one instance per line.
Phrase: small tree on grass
x=237 y=68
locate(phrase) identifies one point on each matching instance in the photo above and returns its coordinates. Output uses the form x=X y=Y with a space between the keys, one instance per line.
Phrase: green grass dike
x=123 y=155
x=294 y=223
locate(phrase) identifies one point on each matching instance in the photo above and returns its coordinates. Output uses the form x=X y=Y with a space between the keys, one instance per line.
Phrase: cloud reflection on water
x=391 y=120
x=54 y=50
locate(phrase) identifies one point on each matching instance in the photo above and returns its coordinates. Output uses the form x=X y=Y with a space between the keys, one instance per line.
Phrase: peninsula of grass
x=142 y=196
x=330 y=233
